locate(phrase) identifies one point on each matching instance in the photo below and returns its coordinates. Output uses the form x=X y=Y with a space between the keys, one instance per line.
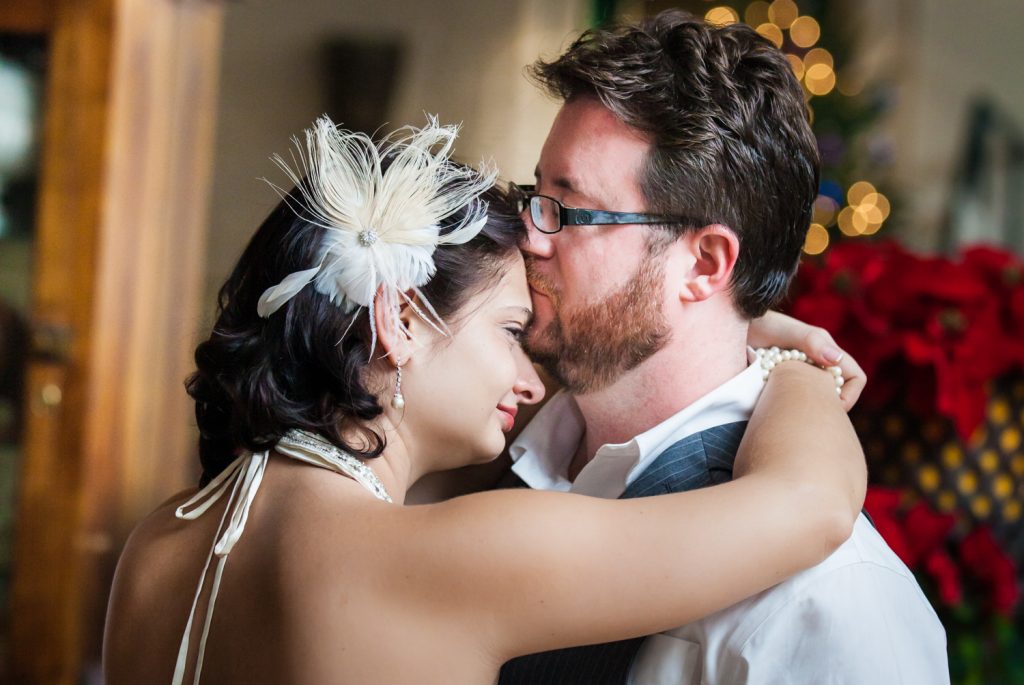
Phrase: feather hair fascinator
x=381 y=205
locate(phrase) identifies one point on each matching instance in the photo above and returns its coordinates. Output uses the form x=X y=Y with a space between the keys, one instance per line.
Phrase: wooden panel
x=44 y=597
x=128 y=138
x=140 y=446
x=26 y=16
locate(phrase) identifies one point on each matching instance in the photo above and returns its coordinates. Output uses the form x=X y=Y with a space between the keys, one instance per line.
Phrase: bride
x=371 y=334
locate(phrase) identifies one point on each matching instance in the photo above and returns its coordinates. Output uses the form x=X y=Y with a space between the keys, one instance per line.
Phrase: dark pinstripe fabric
x=695 y=462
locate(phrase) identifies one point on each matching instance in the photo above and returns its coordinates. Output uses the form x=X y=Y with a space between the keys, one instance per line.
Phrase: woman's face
x=462 y=392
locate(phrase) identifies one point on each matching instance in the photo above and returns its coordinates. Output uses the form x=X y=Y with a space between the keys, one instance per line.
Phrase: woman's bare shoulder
x=155 y=524
x=152 y=543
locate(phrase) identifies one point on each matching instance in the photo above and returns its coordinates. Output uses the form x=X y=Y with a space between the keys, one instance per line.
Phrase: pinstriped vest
x=696 y=461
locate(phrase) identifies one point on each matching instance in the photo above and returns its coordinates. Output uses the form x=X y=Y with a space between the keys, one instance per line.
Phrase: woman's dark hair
x=257 y=378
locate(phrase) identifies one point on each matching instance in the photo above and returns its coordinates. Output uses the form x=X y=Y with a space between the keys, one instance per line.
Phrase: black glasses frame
x=574 y=216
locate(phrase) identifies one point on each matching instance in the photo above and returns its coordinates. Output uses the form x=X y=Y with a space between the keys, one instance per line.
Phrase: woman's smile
x=508 y=416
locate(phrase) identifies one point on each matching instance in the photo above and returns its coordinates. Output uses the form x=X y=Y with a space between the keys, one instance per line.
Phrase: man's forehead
x=565 y=180
x=590 y=153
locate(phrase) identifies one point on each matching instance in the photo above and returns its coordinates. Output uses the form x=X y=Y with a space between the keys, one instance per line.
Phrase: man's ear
x=712 y=251
x=391 y=315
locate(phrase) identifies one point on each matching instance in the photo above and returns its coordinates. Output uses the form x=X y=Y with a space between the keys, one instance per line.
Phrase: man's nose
x=536 y=243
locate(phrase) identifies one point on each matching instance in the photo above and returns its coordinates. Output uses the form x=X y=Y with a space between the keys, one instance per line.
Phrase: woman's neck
x=395 y=465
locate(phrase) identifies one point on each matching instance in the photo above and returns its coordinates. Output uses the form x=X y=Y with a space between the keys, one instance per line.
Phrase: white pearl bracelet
x=771 y=358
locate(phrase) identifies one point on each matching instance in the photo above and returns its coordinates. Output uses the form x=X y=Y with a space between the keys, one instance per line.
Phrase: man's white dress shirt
x=857 y=617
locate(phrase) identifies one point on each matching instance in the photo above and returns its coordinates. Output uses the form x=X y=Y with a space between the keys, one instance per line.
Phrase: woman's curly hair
x=257 y=378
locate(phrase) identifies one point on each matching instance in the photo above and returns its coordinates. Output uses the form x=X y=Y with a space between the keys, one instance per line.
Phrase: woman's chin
x=491 y=450
x=486 y=457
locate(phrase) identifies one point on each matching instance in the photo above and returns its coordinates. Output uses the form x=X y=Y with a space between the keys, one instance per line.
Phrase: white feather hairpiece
x=382 y=227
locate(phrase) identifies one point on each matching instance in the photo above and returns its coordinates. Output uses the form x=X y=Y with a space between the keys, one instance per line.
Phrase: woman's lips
x=508 y=415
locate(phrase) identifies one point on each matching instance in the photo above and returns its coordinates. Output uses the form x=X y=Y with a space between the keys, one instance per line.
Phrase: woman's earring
x=397 y=400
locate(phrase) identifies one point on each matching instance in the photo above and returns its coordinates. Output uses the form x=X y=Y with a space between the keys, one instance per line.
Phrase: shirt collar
x=543 y=451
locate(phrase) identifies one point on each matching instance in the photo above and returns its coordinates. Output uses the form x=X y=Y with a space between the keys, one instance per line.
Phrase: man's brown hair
x=730 y=138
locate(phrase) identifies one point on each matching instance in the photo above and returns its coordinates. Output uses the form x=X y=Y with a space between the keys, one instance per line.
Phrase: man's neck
x=668 y=382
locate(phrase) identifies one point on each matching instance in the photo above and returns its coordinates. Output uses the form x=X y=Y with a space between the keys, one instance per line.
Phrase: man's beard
x=590 y=347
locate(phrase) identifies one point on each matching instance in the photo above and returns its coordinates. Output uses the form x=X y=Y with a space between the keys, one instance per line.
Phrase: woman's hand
x=778 y=330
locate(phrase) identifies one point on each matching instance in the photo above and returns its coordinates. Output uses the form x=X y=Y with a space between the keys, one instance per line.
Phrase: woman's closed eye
x=517 y=332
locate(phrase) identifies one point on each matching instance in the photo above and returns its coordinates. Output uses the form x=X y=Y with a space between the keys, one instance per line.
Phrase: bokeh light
x=825 y=209
x=989 y=460
x=873 y=228
x=797 y=65
x=946 y=501
x=981 y=506
x=845 y=221
x=929 y=477
x=819 y=56
x=816 y=240
x=805 y=32
x=858 y=192
x=866 y=219
x=783 y=13
x=820 y=79
x=772 y=33
x=878 y=200
x=1002 y=486
x=721 y=16
x=756 y=13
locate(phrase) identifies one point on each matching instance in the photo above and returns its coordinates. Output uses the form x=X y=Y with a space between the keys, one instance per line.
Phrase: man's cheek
x=543 y=314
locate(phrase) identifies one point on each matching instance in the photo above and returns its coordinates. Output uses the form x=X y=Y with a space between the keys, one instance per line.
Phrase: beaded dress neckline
x=241 y=479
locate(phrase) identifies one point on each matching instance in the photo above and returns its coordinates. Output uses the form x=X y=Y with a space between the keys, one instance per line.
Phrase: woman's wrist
x=771 y=358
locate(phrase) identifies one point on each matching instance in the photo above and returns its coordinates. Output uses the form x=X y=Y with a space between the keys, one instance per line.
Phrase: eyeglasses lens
x=544 y=213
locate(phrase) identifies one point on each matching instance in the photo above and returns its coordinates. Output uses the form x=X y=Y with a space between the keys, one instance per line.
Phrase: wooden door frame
x=129 y=111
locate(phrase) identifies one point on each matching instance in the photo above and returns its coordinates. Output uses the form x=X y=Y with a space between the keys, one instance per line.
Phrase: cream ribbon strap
x=243 y=477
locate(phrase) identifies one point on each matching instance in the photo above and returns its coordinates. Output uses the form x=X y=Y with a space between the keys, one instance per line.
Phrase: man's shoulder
x=847 y=581
x=857 y=617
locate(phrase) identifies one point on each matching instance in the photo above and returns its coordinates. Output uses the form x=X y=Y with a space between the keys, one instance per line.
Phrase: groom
x=646 y=328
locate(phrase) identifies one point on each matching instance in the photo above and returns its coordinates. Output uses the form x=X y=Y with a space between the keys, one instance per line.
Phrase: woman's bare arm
x=526 y=571
x=772 y=329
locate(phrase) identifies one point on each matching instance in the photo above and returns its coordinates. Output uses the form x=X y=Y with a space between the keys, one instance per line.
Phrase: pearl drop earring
x=397 y=400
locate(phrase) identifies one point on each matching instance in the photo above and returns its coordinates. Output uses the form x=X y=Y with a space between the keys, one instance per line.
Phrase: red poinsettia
x=927 y=531
x=936 y=329
x=1004 y=272
x=918 y=536
x=883 y=505
x=832 y=294
x=983 y=558
x=922 y=538
x=944 y=571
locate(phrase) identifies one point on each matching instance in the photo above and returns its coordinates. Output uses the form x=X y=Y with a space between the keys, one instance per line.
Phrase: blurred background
x=134 y=135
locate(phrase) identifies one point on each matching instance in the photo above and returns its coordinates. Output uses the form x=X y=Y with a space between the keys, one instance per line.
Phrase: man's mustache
x=538 y=280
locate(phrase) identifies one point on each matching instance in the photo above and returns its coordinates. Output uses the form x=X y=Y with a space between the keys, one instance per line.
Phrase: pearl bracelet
x=769 y=359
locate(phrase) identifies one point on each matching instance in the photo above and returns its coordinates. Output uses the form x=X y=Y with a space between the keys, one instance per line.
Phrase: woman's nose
x=529 y=389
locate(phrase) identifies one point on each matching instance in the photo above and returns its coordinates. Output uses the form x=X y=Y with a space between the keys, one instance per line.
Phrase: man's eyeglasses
x=549 y=215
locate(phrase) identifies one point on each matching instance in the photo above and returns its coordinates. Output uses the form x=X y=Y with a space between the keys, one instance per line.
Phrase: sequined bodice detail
x=241 y=479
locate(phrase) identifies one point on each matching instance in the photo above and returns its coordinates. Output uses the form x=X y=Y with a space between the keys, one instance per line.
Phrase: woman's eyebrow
x=525 y=311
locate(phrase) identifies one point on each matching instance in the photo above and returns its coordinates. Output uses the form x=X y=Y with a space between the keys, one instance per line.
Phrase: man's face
x=598 y=291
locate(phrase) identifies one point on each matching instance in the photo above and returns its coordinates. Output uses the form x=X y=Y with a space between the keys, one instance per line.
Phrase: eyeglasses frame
x=575 y=216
